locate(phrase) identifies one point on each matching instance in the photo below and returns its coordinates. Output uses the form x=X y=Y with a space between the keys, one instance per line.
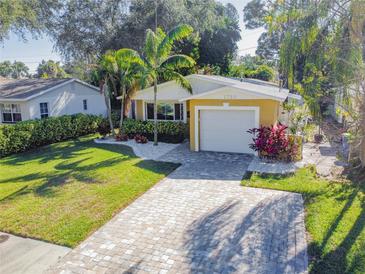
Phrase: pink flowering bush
x=274 y=143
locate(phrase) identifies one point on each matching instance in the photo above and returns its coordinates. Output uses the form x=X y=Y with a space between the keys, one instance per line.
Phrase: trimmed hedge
x=25 y=135
x=168 y=131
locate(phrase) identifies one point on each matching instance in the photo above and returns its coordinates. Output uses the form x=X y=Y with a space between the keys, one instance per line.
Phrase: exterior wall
x=173 y=91
x=23 y=109
x=68 y=99
x=269 y=111
x=139 y=110
x=140 y=105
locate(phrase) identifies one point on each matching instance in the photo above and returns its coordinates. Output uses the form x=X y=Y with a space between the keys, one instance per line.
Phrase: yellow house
x=219 y=112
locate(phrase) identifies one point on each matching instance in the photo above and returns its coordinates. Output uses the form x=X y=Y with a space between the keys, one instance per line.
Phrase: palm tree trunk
x=108 y=107
x=155 y=142
x=122 y=111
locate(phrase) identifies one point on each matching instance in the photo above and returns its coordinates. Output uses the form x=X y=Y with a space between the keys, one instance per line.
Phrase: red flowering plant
x=273 y=143
x=140 y=139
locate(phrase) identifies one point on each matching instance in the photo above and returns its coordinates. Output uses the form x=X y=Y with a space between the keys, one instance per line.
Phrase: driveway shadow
x=228 y=241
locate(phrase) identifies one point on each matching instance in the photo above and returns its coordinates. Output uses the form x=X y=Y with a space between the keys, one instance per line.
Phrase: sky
x=33 y=51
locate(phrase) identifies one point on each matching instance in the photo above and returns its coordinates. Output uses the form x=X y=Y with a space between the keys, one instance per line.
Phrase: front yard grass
x=63 y=192
x=335 y=219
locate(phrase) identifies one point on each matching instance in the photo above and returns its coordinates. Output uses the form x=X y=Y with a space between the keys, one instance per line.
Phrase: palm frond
x=150 y=47
x=126 y=57
x=178 y=61
x=179 y=78
x=178 y=33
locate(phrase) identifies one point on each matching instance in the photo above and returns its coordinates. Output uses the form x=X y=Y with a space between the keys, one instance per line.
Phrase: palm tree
x=106 y=72
x=130 y=67
x=160 y=63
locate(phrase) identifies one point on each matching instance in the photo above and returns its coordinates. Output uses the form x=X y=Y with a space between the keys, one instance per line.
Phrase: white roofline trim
x=264 y=96
x=48 y=90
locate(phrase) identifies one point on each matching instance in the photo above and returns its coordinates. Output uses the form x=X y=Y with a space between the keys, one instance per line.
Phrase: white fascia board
x=254 y=94
x=87 y=84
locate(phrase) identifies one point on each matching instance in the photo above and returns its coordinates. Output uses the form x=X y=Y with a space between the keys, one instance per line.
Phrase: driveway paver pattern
x=199 y=220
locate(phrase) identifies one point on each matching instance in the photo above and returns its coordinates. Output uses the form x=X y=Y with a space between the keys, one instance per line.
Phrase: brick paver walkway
x=191 y=223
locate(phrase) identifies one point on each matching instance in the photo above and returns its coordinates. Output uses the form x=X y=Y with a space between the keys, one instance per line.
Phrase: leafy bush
x=273 y=143
x=34 y=133
x=168 y=131
x=121 y=137
x=140 y=139
x=264 y=72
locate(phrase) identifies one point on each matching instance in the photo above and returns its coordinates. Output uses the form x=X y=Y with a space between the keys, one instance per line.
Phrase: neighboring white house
x=27 y=99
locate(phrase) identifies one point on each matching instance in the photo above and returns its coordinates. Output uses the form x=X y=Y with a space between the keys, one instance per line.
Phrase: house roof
x=249 y=87
x=25 y=89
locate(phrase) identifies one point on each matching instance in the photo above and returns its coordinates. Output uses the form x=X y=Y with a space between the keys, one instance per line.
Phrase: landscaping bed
x=168 y=131
x=63 y=192
x=335 y=218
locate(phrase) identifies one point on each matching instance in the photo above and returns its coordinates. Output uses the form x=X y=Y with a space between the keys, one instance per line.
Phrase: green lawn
x=335 y=219
x=63 y=192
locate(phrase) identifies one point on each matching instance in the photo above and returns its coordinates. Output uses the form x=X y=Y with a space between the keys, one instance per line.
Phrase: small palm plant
x=161 y=63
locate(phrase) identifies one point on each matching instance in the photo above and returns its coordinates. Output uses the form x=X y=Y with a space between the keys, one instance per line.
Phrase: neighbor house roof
x=26 y=89
x=251 y=87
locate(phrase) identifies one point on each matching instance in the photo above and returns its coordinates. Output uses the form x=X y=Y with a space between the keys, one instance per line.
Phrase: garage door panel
x=226 y=130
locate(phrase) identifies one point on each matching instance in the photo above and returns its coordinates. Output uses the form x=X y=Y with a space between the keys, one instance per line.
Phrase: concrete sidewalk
x=24 y=255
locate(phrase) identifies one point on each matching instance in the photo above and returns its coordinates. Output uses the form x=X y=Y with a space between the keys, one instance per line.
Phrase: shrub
x=121 y=137
x=34 y=133
x=264 y=72
x=140 y=139
x=273 y=143
x=168 y=131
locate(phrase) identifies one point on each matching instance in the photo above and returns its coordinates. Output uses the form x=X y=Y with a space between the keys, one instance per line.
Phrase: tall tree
x=160 y=63
x=25 y=16
x=6 y=69
x=87 y=29
x=50 y=69
x=19 y=70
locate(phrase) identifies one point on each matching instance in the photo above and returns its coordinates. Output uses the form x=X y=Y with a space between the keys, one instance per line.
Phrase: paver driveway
x=199 y=220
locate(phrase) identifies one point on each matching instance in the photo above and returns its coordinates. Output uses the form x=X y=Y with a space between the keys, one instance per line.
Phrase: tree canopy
x=50 y=69
x=85 y=29
x=14 y=70
x=22 y=16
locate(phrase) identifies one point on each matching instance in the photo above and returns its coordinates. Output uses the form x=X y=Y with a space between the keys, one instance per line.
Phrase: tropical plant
x=130 y=68
x=50 y=69
x=104 y=75
x=160 y=63
x=273 y=143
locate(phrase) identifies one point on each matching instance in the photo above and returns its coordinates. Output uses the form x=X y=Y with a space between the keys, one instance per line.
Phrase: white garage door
x=226 y=130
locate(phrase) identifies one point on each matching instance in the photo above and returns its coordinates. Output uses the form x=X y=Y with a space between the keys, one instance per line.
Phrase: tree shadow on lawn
x=64 y=150
x=337 y=260
x=68 y=170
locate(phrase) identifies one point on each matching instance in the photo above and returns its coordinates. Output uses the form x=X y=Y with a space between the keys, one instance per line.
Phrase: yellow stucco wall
x=269 y=111
x=139 y=109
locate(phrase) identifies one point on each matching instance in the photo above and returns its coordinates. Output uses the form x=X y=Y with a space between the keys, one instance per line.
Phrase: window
x=133 y=109
x=44 y=110
x=166 y=111
x=84 y=103
x=11 y=113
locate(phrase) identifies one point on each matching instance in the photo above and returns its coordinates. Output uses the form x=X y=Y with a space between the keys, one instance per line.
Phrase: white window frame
x=145 y=114
x=40 y=110
x=12 y=112
x=225 y=107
